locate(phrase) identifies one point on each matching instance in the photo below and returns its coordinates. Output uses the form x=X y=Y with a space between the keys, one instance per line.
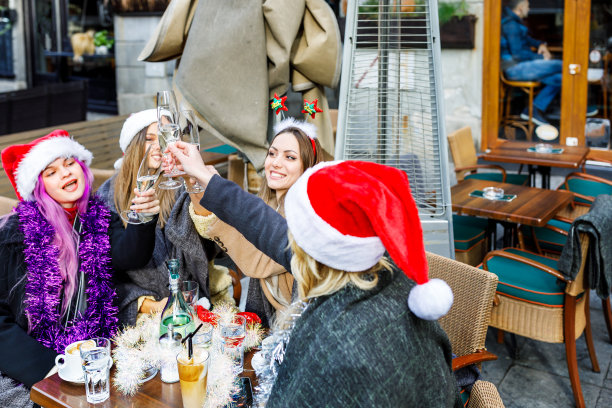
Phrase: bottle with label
x=176 y=312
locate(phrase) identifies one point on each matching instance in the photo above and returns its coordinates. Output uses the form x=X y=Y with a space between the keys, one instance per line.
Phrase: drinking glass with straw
x=193 y=373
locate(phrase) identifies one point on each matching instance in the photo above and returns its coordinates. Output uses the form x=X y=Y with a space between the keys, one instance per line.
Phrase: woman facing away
x=60 y=248
x=146 y=288
x=292 y=150
x=365 y=335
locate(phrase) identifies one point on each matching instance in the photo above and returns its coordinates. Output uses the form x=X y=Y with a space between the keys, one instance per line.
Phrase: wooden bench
x=101 y=137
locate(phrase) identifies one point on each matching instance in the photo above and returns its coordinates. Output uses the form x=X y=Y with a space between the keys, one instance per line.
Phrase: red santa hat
x=23 y=163
x=346 y=214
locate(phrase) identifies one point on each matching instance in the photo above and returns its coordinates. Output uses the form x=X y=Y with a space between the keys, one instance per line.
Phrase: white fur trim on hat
x=322 y=241
x=39 y=157
x=431 y=300
x=134 y=124
x=308 y=128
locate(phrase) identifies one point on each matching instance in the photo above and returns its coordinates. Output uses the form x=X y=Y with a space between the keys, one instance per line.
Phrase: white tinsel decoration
x=137 y=349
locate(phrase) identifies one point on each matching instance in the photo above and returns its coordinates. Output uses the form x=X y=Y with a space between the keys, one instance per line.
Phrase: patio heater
x=391 y=104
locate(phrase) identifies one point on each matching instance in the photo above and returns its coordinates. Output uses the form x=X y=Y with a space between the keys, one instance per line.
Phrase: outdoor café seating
x=467 y=321
x=536 y=301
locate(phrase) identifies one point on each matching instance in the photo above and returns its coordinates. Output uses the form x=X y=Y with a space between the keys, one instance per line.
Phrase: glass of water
x=96 y=361
x=233 y=332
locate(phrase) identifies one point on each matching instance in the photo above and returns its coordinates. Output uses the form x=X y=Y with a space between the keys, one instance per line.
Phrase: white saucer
x=78 y=380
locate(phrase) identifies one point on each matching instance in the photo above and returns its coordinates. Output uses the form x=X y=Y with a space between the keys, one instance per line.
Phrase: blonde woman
x=364 y=334
x=293 y=149
x=146 y=290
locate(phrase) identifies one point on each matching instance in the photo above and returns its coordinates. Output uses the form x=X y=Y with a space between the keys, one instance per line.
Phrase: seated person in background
x=145 y=289
x=59 y=250
x=520 y=63
x=292 y=150
x=355 y=340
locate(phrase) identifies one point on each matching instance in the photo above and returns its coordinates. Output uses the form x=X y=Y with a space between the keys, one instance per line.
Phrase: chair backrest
x=579 y=284
x=100 y=176
x=586 y=187
x=462 y=148
x=473 y=290
x=7 y=204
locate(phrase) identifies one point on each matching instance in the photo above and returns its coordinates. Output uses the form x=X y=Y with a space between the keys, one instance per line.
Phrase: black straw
x=189 y=339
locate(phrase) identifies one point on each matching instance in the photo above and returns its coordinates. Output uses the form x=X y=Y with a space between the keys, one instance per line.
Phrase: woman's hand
x=151 y=306
x=145 y=202
x=187 y=157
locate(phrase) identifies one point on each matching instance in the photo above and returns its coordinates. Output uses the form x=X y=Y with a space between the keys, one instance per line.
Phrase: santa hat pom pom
x=431 y=300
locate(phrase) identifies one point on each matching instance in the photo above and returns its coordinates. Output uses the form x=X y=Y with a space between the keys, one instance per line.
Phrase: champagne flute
x=169 y=133
x=191 y=135
x=167 y=111
x=145 y=179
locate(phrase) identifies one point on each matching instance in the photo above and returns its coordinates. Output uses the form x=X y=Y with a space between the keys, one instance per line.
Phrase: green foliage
x=101 y=38
x=448 y=10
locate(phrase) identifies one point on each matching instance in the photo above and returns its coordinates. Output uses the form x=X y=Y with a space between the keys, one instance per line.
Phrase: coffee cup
x=69 y=363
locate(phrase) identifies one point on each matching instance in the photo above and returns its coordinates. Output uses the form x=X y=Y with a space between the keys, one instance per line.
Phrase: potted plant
x=457 y=25
x=139 y=6
x=102 y=42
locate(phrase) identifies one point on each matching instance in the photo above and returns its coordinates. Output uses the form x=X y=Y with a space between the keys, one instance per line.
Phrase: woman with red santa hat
x=59 y=248
x=363 y=333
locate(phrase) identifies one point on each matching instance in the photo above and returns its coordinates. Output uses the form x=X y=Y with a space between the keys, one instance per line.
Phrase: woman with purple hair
x=59 y=248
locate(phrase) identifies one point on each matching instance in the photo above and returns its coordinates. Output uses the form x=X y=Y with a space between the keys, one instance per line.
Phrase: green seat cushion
x=586 y=187
x=551 y=240
x=223 y=149
x=519 y=179
x=468 y=231
x=524 y=282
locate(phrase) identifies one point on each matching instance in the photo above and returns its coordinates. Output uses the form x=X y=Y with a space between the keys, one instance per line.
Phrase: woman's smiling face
x=155 y=155
x=283 y=164
x=64 y=181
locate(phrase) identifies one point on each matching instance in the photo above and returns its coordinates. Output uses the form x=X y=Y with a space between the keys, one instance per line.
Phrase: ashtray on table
x=493 y=193
x=543 y=148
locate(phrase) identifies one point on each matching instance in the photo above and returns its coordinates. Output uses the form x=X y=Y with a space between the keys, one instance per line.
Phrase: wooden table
x=510 y=151
x=53 y=392
x=532 y=206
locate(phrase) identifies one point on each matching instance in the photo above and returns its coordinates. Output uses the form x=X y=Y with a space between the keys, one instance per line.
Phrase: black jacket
x=22 y=357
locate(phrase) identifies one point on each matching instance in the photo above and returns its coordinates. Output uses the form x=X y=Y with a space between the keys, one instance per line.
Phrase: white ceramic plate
x=79 y=380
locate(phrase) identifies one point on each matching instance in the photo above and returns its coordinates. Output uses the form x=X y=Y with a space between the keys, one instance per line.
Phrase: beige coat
x=235 y=54
x=276 y=282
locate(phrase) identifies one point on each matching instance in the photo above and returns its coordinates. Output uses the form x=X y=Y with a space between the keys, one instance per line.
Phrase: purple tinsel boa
x=44 y=282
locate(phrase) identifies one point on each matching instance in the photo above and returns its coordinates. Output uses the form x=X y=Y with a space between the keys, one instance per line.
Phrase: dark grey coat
x=178 y=239
x=354 y=348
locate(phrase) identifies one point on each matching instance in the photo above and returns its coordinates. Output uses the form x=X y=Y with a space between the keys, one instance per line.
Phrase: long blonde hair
x=125 y=181
x=315 y=279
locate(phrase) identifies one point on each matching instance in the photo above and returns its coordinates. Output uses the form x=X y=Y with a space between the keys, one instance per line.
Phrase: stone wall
x=137 y=81
x=462 y=81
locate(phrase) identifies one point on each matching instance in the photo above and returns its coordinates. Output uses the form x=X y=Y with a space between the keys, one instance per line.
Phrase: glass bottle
x=176 y=312
x=171 y=344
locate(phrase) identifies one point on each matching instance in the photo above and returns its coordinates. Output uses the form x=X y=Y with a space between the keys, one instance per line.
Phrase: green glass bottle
x=176 y=312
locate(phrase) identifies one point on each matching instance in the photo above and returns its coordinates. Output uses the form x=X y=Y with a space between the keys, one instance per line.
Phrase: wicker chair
x=465 y=158
x=467 y=321
x=538 y=302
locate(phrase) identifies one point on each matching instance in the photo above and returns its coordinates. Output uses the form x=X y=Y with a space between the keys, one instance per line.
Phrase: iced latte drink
x=193 y=375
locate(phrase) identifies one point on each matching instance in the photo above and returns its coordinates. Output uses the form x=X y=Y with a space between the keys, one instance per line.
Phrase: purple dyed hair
x=66 y=238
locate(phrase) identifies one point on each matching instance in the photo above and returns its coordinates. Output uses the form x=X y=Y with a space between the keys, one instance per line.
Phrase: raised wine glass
x=169 y=133
x=146 y=177
x=189 y=129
